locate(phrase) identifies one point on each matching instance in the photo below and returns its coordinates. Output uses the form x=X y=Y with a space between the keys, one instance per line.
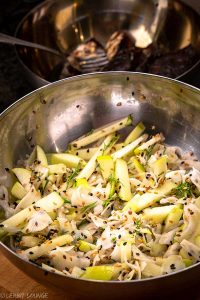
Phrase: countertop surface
x=14 y=284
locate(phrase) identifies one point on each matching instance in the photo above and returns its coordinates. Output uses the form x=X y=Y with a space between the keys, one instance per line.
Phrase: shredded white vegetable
x=96 y=230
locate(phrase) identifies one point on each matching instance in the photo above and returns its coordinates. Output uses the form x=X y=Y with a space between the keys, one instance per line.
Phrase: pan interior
x=65 y=24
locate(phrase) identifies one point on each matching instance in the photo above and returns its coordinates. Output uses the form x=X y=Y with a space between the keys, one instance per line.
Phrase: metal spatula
x=7 y=39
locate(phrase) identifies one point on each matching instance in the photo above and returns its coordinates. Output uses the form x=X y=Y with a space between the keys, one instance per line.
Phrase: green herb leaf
x=90 y=132
x=42 y=189
x=112 y=179
x=112 y=142
x=138 y=224
x=148 y=152
x=83 y=222
x=106 y=203
x=183 y=190
x=88 y=207
x=66 y=200
x=74 y=173
x=114 y=239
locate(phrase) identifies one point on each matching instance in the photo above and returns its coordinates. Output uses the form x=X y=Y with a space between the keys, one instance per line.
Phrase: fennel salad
x=106 y=209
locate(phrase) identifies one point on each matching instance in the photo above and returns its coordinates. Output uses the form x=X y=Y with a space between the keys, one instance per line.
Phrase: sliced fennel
x=101 y=132
x=103 y=149
x=43 y=249
x=87 y=153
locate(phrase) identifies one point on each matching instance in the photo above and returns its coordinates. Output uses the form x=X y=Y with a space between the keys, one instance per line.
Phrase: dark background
x=13 y=84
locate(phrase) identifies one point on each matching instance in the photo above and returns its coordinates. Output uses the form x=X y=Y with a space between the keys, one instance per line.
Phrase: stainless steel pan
x=64 y=24
x=57 y=113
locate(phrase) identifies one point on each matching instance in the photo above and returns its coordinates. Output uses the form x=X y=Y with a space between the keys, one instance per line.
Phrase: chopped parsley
x=183 y=190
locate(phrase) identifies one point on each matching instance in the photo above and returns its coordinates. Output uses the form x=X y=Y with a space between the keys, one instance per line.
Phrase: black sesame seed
x=173 y=267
